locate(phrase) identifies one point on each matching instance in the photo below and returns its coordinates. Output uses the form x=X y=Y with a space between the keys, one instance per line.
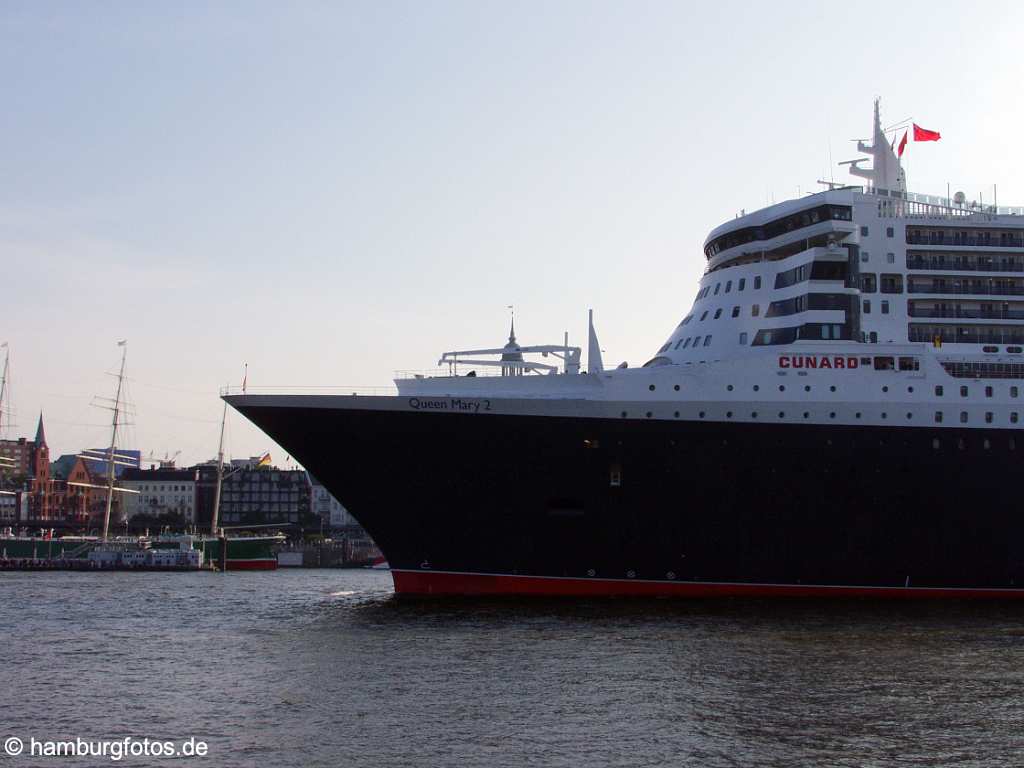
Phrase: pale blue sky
x=334 y=191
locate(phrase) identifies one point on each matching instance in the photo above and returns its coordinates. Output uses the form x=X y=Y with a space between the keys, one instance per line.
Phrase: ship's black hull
x=475 y=503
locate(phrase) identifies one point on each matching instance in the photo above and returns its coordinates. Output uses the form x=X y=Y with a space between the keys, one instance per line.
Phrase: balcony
x=970 y=314
x=972 y=289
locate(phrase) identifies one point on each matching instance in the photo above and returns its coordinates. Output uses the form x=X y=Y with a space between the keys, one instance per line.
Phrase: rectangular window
x=909 y=364
x=718 y=313
x=696 y=341
x=1013 y=391
x=892 y=283
x=885 y=307
x=728 y=285
x=884 y=364
x=864 y=256
x=890 y=258
x=963 y=391
x=868 y=283
x=938 y=417
x=988 y=417
x=742 y=284
x=867 y=306
x=717 y=288
x=889 y=232
x=755 y=310
x=938 y=390
x=1013 y=417
x=707 y=340
x=963 y=417
x=743 y=338
x=757 y=283
x=735 y=311
x=988 y=391
x=863 y=231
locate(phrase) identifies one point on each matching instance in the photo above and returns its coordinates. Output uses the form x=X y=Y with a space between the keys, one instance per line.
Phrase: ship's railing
x=915 y=204
x=446 y=372
x=967 y=289
x=313 y=389
x=969 y=314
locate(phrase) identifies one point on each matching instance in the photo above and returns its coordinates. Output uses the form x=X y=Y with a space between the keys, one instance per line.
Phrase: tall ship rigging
x=837 y=414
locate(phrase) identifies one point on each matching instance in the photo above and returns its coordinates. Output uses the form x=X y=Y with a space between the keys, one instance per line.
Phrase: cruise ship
x=837 y=414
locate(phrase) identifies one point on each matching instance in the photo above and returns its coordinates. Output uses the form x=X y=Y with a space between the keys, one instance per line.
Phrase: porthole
x=753 y=415
x=648 y=414
x=591 y=572
x=910 y=415
x=701 y=414
x=728 y=414
x=807 y=415
x=729 y=387
x=832 y=388
x=631 y=574
x=885 y=389
x=807 y=388
x=651 y=387
x=935 y=443
x=857 y=414
x=677 y=414
x=670 y=575
x=884 y=415
x=832 y=415
x=782 y=414
x=910 y=389
x=756 y=388
x=782 y=387
x=623 y=414
x=676 y=387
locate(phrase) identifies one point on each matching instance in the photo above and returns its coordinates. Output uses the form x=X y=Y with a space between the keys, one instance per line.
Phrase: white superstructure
x=856 y=305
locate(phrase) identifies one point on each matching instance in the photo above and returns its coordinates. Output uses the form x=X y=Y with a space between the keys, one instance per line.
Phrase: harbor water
x=329 y=668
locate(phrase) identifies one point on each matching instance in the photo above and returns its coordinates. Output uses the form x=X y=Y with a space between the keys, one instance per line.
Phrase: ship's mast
x=3 y=385
x=220 y=474
x=113 y=441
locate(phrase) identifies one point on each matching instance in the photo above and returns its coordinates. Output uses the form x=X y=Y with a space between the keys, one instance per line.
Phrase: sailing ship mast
x=220 y=473
x=113 y=441
x=3 y=385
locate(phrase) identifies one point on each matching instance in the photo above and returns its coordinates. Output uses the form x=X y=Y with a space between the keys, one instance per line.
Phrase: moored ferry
x=838 y=413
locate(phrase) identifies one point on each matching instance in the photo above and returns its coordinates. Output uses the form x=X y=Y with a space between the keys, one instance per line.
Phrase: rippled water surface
x=329 y=668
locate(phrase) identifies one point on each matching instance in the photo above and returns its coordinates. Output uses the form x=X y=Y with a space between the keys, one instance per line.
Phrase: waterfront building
x=159 y=492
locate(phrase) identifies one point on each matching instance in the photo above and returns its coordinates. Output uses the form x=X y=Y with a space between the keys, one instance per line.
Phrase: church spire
x=40 y=434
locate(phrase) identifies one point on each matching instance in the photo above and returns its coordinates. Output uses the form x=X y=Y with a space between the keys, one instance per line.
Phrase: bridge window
x=884 y=364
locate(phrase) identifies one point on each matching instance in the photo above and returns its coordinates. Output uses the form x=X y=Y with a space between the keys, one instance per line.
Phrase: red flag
x=903 y=144
x=923 y=134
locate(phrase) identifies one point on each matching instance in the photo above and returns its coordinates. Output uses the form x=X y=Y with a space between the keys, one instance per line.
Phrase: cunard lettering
x=818 y=361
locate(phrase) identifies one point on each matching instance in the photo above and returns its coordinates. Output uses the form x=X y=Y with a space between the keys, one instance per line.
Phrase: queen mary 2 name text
x=449 y=404
x=838 y=362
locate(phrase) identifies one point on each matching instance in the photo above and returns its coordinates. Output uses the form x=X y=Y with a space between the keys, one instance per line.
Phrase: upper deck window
x=779 y=227
x=742 y=284
x=728 y=285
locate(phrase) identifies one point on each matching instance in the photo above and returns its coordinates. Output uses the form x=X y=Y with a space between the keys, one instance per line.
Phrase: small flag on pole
x=122 y=342
x=923 y=134
x=903 y=144
x=245 y=378
x=264 y=460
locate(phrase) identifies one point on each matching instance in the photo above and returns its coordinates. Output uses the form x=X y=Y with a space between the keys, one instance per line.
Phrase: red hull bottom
x=252 y=565
x=426 y=583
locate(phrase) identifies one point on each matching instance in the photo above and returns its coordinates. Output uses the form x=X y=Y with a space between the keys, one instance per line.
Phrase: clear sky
x=331 y=192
